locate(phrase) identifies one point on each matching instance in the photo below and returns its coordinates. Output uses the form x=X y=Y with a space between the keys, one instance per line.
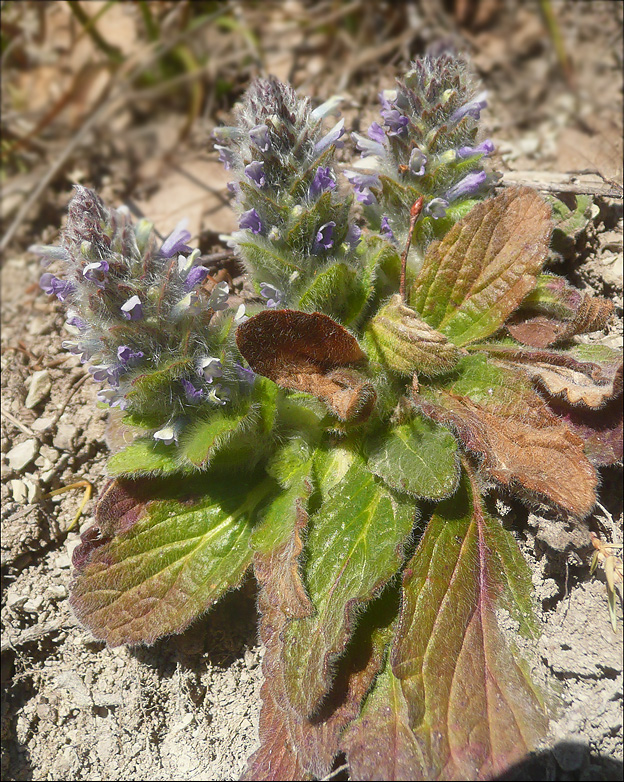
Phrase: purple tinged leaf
x=473 y=279
x=473 y=710
x=190 y=553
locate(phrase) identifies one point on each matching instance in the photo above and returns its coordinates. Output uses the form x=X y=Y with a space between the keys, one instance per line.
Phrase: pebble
x=25 y=491
x=612 y=271
x=63 y=440
x=32 y=605
x=39 y=326
x=41 y=424
x=40 y=385
x=23 y=454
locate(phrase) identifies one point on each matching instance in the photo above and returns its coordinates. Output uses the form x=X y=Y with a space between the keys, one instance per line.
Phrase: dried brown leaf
x=308 y=352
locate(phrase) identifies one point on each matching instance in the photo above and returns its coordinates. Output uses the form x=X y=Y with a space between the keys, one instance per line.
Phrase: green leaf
x=151 y=573
x=354 y=547
x=474 y=278
x=418 y=457
x=329 y=291
x=376 y=256
x=146 y=457
x=472 y=708
x=206 y=436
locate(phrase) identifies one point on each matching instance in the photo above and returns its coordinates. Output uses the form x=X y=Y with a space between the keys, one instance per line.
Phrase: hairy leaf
x=380 y=742
x=474 y=278
x=531 y=450
x=589 y=375
x=308 y=352
x=555 y=311
x=473 y=710
x=206 y=436
x=145 y=456
x=329 y=291
x=354 y=547
x=149 y=568
x=406 y=344
x=417 y=457
x=292 y=747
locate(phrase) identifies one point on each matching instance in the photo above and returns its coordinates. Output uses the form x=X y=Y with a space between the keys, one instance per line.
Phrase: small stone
x=56 y=592
x=33 y=605
x=23 y=454
x=40 y=385
x=25 y=491
x=63 y=440
x=612 y=271
x=41 y=424
x=39 y=326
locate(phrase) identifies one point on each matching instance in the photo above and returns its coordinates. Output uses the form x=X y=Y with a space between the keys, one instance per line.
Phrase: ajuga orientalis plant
x=405 y=355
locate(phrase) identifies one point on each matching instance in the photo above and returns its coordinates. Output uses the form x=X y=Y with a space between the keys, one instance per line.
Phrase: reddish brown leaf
x=308 y=352
x=590 y=314
x=533 y=450
x=570 y=376
x=293 y=747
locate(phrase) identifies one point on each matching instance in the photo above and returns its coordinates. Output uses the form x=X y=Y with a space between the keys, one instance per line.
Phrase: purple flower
x=484 y=148
x=102 y=372
x=255 y=171
x=96 y=272
x=376 y=133
x=354 y=236
x=73 y=319
x=273 y=294
x=385 y=229
x=111 y=397
x=259 y=135
x=323 y=180
x=196 y=275
x=396 y=122
x=467 y=186
x=324 y=236
x=436 y=208
x=331 y=138
x=168 y=434
x=132 y=309
x=245 y=374
x=361 y=184
x=251 y=221
x=219 y=296
x=226 y=156
x=176 y=241
x=210 y=367
x=329 y=107
x=53 y=285
x=193 y=395
x=417 y=162
x=473 y=108
x=127 y=356
x=367 y=147
x=387 y=98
